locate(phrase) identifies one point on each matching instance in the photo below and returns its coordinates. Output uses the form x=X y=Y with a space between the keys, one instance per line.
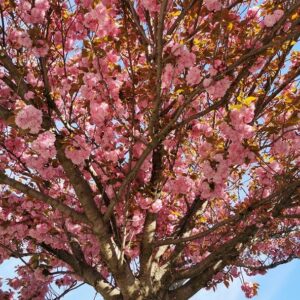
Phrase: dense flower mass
x=271 y=19
x=213 y=5
x=148 y=148
x=29 y=118
x=44 y=145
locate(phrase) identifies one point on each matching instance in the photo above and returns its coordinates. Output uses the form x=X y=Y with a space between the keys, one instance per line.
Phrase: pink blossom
x=29 y=118
x=205 y=190
x=138 y=149
x=78 y=151
x=207 y=82
x=99 y=112
x=243 y=115
x=187 y=59
x=278 y=13
x=253 y=12
x=44 y=145
x=41 y=49
x=250 y=289
x=42 y=228
x=132 y=253
x=65 y=281
x=287 y=26
x=271 y=19
x=19 y=38
x=177 y=49
x=150 y=5
x=112 y=155
x=204 y=148
x=106 y=27
x=193 y=77
x=38 y=12
x=172 y=217
x=37 y=15
x=31 y=79
x=42 y=4
x=167 y=76
x=213 y=5
x=84 y=3
x=217 y=89
x=41 y=166
x=29 y=95
x=212 y=71
x=181 y=184
x=217 y=64
x=91 y=79
x=200 y=128
x=137 y=219
x=156 y=206
x=109 y=3
x=144 y=203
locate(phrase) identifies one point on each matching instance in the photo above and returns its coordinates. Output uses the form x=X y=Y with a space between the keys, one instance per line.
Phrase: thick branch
x=109 y=250
x=88 y=273
x=5 y=114
x=64 y=209
x=7 y=63
x=204 y=271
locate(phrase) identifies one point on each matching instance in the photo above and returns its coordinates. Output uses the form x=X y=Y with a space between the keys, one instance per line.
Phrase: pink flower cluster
x=240 y=128
x=147 y=203
x=193 y=76
x=35 y=14
x=41 y=165
x=250 y=289
x=156 y=206
x=214 y=183
x=44 y=145
x=64 y=281
x=216 y=89
x=241 y=117
x=138 y=218
x=30 y=118
x=185 y=58
x=180 y=185
x=201 y=129
x=107 y=26
x=150 y=5
x=213 y=5
x=271 y=19
x=167 y=76
x=19 y=38
x=41 y=48
x=99 y=112
x=253 y=12
x=78 y=151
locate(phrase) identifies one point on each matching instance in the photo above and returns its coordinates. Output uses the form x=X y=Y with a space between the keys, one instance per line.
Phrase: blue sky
x=281 y=283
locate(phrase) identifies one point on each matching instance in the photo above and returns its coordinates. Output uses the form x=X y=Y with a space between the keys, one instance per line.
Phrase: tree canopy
x=148 y=148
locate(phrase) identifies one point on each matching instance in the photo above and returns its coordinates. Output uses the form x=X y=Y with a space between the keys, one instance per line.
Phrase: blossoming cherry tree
x=148 y=148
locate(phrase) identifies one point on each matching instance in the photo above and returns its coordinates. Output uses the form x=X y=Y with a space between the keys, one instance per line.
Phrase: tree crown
x=149 y=148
